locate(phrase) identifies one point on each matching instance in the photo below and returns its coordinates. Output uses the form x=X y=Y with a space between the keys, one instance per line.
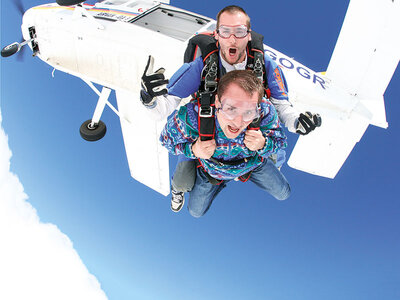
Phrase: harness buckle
x=210 y=86
x=258 y=68
x=206 y=111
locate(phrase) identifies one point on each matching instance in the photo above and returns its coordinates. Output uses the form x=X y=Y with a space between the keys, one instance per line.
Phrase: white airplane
x=108 y=44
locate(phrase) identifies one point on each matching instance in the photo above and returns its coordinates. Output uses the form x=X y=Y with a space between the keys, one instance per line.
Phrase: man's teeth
x=233 y=129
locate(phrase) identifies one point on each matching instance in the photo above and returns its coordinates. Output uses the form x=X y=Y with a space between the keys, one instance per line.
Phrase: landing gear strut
x=94 y=129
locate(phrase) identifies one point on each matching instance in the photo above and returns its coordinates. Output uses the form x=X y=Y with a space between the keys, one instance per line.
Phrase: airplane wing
x=367 y=52
x=363 y=62
x=324 y=151
x=147 y=159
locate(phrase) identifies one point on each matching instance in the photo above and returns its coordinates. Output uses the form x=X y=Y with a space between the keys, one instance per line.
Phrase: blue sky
x=332 y=239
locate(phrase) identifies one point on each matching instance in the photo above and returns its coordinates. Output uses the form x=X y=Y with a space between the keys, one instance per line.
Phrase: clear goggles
x=231 y=112
x=239 y=31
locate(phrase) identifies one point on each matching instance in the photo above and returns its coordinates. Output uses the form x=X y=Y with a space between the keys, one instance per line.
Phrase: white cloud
x=37 y=261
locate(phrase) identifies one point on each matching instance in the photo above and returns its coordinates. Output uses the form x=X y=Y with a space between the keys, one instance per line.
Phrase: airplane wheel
x=9 y=50
x=68 y=2
x=92 y=134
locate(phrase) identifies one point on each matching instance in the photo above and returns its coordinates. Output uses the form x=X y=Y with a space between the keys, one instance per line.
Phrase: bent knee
x=195 y=213
x=183 y=187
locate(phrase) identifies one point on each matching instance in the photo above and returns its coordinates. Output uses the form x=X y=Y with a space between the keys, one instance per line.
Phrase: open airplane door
x=362 y=65
x=155 y=34
x=147 y=159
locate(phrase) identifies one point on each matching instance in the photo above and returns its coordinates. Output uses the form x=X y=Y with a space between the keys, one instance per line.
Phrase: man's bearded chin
x=239 y=59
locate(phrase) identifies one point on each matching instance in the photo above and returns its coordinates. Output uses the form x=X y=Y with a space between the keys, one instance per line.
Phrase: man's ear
x=217 y=102
x=216 y=36
x=249 y=35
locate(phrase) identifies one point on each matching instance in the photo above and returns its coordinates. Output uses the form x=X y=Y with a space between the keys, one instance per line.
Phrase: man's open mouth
x=232 y=129
x=232 y=51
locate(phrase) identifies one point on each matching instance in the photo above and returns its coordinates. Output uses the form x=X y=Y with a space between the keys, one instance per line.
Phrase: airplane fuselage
x=109 y=45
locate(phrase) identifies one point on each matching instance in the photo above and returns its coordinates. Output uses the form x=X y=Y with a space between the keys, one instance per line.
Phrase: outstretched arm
x=294 y=121
x=182 y=84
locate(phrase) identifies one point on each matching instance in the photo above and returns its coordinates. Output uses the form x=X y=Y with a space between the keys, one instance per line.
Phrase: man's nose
x=232 y=38
x=238 y=121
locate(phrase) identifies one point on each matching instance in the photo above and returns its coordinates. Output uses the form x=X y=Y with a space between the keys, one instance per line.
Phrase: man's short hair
x=245 y=79
x=234 y=9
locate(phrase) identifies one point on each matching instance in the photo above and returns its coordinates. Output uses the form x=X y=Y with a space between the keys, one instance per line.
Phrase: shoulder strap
x=255 y=59
x=207 y=93
x=257 y=41
x=205 y=42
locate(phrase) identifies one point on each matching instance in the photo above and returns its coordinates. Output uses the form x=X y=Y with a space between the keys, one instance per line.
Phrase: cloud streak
x=37 y=261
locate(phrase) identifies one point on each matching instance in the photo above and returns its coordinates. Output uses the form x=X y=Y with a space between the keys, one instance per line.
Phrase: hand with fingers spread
x=153 y=83
x=204 y=149
x=254 y=140
x=307 y=122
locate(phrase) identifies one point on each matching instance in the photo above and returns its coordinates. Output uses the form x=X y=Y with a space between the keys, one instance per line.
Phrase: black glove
x=307 y=122
x=153 y=83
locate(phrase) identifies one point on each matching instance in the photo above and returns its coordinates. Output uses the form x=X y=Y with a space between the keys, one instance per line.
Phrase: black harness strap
x=245 y=177
x=206 y=116
x=215 y=181
x=229 y=162
x=206 y=103
x=255 y=59
x=255 y=124
x=212 y=180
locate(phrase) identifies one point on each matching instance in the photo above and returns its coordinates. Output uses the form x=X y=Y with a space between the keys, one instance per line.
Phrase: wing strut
x=102 y=102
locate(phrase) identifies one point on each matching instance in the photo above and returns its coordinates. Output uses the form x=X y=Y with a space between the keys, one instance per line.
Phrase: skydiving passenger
x=237 y=48
x=236 y=152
